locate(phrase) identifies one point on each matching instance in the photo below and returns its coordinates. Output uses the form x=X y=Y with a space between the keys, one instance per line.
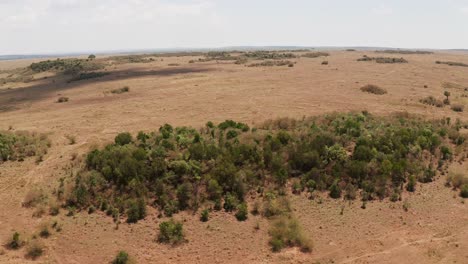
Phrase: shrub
x=230 y=202
x=92 y=57
x=15 y=242
x=373 y=89
x=205 y=215
x=171 y=232
x=62 y=99
x=123 y=139
x=35 y=249
x=335 y=190
x=242 y=212
x=324 y=62
x=411 y=186
x=125 y=89
x=458 y=108
x=136 y=210
x=44 y=232
x=121 y=258
x=464 y=191
x=286 y=232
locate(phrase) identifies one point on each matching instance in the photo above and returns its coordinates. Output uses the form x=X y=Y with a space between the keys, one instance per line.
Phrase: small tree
x=92 y=57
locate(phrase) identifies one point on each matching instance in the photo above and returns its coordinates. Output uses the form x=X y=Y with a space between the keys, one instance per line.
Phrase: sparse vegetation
x=458 y=107
x=373 y=89
x=432 y=101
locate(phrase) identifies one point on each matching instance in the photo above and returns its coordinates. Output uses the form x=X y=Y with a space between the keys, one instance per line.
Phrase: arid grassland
x=302 y=156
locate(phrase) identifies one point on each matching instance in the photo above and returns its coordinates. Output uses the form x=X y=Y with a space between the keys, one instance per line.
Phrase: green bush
x=123 y=139
x=464 y=191
x=136 y=210
x=15 y=242
x=121 y=258
x=171 y=232
x=242 y=212
x=286 y=232
x=205 y=215
x=411 y=186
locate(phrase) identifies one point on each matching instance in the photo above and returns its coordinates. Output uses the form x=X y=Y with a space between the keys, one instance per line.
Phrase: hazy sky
x=50 y=26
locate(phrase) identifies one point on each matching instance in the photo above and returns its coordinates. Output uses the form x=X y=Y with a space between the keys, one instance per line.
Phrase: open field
x=169 y=89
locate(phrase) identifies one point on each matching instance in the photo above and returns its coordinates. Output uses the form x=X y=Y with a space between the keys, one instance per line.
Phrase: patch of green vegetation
x=179 y=168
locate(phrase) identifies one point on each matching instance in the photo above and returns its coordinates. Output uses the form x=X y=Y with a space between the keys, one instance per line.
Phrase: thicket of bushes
x=173 y=169
x=316 y=54
x=270 y=63
x=383 y=59
x=67 y=66
x=16 y=146
x=420 y=52
x=452 y=63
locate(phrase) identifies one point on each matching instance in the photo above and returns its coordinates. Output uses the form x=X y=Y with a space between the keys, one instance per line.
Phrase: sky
x=61 y=26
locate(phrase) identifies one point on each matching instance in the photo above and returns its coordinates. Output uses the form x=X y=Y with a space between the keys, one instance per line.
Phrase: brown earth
x=434 y=230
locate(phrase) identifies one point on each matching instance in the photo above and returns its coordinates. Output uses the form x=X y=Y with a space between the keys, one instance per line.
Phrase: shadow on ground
x=13 y=99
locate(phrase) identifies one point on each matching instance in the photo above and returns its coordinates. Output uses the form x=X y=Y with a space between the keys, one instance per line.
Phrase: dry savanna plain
x=64 y=110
